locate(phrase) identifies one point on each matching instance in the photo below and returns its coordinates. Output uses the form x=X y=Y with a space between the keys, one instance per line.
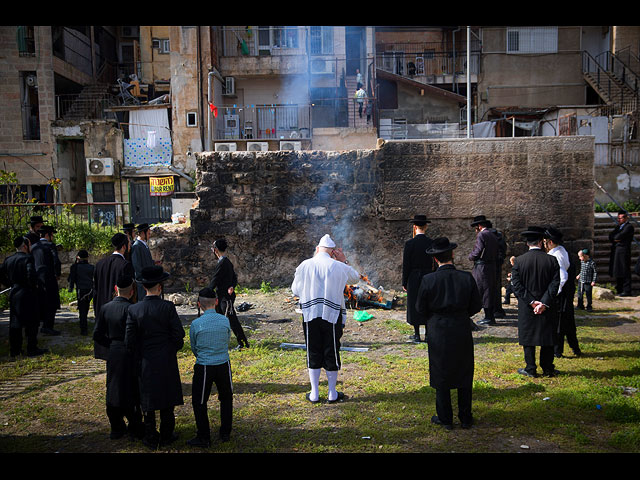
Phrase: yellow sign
x=160 y=186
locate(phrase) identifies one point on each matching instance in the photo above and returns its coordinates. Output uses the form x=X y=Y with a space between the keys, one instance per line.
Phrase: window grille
x=532 y=40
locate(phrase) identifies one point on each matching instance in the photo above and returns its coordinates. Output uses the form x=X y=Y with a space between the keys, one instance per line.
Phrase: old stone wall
x=273 y=207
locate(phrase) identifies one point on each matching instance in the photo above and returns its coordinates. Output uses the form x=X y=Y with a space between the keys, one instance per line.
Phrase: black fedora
x=553 y=234
x=143 y=227
x=36 y=219
x=441 y=245
x=128 y=227
x=419 y=220
x=153 y=274
x=479 y=219
x=533 y=233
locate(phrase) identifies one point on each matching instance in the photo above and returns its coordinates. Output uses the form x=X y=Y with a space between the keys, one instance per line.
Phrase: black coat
x=105 y=277
x=122 y=382
x=415 y=264
x=448 y=298
x=81 y=276
x=18 y=272
x=536 y=276
x=485 y=257
x=224 y=276
x=620 y=256
x=48 y=268
x=140 y=258
x=154 y=334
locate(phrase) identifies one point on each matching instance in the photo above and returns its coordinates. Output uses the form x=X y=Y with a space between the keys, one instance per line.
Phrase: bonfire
x=365 y=294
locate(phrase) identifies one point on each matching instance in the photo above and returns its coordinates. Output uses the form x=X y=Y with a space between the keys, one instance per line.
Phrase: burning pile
x=364 y=293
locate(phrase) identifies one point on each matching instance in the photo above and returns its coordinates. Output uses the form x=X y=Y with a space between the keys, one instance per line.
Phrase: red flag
x=214 y=109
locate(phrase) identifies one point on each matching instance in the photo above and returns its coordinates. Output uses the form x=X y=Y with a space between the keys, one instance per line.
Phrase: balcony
x=264 y=122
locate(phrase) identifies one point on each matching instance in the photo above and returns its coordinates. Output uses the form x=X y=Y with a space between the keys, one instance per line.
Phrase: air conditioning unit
x=319 y=65
x=229 y=86
x=257 y=146
x=100 y=166
x=225 y=147
x=286 y=145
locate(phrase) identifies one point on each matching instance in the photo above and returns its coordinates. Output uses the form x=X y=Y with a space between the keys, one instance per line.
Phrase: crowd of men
x=139 y=333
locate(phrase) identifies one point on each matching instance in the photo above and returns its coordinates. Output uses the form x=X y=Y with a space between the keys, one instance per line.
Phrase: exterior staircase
x=354 y=118
x=603 y=225
x=89 y=103
x=617 y=85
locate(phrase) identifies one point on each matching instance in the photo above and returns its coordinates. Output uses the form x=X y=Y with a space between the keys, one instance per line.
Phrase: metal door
x=144 y=207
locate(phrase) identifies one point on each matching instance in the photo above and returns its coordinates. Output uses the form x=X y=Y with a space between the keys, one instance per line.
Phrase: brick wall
x=273 y=207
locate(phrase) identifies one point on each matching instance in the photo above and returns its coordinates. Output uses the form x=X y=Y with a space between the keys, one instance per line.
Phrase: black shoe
x=49 y=331
x=415 y=338
x=467 y=425
x=557 y=355
x=487 y=321
x=579 y=307
x=115 y=435
x=225 y=437
x=577 y=352
x=436 y=421
x=37 y=352
x=552 y=373
x=589 y=309
x=339 y=398
x=308 y=397
x=151 y=444
x=174 y=436
x=199 y=442
x=624 y=294
x=522 y=371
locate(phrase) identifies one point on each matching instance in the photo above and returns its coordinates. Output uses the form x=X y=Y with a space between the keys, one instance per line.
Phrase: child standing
x=586 y=279
x=509 y=288
x=81 y=276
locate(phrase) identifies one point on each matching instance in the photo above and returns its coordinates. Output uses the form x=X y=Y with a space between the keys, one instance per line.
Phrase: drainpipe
x=209 y=102
x=469 y=82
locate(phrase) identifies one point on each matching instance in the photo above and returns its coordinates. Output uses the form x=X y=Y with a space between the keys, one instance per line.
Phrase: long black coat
x=224 y=276
x=140 y=258
x=448 y=298
x=536 y=276
x=105 y=277
x=485 y=257
x=620 y=256
x=19 y=273
x=122 y=382
x=154 y=333
x=48 y=268
x=415 y=264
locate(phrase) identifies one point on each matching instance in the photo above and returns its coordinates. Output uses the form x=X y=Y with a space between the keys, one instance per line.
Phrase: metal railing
x=606 y=84
x=70 y=106
x=264 y=122
x=619 y=69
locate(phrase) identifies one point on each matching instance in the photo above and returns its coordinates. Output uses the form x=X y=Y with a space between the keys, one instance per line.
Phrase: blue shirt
x=209 y=335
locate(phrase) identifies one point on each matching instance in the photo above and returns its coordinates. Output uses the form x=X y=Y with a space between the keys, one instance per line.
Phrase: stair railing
x=603 y=79
x=619 y=69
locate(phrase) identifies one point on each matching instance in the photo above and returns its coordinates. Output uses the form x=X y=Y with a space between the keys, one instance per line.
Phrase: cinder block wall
x=273 y=207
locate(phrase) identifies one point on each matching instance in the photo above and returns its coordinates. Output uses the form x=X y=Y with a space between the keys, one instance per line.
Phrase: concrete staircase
x=89 y=103
x=354 y=119
x=603 y=225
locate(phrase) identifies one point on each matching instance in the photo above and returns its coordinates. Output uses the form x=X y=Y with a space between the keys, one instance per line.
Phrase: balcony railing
x=264 y=122
x=77 y=106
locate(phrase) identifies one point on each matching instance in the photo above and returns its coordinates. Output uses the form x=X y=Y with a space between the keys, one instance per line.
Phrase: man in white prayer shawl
x=319 y=282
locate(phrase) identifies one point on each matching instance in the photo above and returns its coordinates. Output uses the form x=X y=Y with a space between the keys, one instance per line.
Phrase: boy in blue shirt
x=209 y=335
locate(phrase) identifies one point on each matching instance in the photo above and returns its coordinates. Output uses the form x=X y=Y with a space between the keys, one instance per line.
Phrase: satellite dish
x=96 y=166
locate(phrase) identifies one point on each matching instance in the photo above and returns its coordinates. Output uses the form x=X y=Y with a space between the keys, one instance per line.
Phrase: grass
x=586 y=409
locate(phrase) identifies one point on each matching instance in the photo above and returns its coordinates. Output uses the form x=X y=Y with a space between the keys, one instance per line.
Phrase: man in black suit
x=123 y=396
x=18 y=272
x=535 y=278
x=415 y=264
x=485 y=257
x=620 y=258
x=48 y=268
x=106 y=274
x=448 y=298
x=141 y=255
x=81 y=277
x=154 y=334
x=223 y=282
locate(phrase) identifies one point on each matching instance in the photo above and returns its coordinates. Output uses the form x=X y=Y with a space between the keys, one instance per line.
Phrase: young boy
x=586 y=278
x=508 y=288
x=81 y=276
x=209 y=336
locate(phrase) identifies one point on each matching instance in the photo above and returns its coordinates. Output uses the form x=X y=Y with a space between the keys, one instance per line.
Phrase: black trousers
x=322 y=340
x=225 y=307
x=585 y=289
x=623 y=285
x=15 y=339
x=134 y=425
x=444 y=409
x=546 y=358
x=84 y=301
x=204 y=376
x=167 y=425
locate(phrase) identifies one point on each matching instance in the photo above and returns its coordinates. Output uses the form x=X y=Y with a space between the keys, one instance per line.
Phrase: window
x=26 y=41
x=161 y=44
x=192 y=119
x=532 y=39
x=277 y=37
x=321 y=40
x=30 y=106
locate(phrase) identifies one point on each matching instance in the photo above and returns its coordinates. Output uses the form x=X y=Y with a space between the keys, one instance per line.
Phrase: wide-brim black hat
x=553 y=234
x=47 y=229
x=142 y=227
x=478 y=219
x=36 y=219
x=533 y=233
x=419 y=220
x=153 y=274
x=441 y=245
x=128 y=227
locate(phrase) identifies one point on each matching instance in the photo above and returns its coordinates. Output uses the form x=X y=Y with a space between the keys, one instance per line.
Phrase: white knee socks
x=314 y=378
x=332 y=378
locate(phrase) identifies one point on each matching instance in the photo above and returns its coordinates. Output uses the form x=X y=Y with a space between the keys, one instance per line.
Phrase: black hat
x=124 y=281
x=553 y=234
x=479 y=219
x=47 y=229
x=207 y=293
x=533 y=233
x=32 y=237
x=118 y=240
x=420 y=220
x=143 y=227
x=441 y=245
x=83 y=254
x=36 y=219
x=128 y=227
x=153 y=274
x=220 y=244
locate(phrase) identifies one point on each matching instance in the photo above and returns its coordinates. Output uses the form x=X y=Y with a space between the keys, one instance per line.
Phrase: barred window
x=321 y=40
x=532 y=39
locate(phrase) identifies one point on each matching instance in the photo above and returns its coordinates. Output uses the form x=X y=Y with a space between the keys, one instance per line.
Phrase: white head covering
x=327 y=242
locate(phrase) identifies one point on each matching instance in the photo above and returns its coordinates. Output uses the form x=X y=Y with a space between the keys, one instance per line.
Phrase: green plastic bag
x=362 y=315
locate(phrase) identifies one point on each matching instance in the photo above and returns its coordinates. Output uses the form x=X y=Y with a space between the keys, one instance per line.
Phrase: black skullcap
x=124 y=281
x=118 y=240
x=19 y=241
x=207 y=293
x=83 y=254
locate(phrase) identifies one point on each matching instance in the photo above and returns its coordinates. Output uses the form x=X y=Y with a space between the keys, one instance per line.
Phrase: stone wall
x=273 y=207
